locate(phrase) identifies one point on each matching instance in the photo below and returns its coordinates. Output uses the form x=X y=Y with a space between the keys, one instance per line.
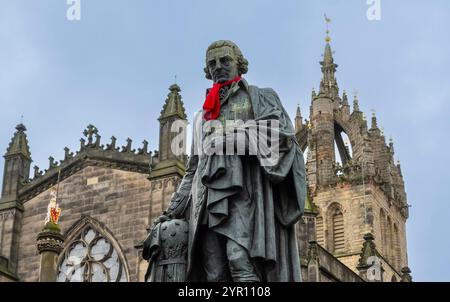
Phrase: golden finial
x=327 y=21
x=309 y=125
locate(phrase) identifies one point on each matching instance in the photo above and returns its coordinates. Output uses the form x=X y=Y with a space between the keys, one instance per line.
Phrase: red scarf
x=212 y=102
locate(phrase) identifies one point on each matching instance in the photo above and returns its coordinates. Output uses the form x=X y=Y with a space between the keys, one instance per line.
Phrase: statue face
x=222 y=64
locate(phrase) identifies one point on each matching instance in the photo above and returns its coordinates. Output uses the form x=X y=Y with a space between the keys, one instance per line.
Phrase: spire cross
x=89 y=132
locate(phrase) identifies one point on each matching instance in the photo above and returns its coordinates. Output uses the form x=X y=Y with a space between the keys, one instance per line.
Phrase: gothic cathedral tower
x=354 y=186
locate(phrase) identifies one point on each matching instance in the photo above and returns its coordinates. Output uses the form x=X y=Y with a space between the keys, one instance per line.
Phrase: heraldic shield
x=166 y=250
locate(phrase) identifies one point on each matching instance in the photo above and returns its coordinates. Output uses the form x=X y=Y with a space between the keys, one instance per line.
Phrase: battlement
x=90 y=153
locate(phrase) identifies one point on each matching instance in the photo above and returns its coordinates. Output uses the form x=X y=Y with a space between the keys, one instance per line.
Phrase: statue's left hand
x=164 y=217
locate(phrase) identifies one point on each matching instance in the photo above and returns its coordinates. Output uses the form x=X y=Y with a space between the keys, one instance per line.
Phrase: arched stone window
x=91 y=254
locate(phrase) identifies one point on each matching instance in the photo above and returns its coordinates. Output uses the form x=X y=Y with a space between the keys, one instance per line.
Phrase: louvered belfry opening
x=320 y=236
x=338 y=231
x=397 y=251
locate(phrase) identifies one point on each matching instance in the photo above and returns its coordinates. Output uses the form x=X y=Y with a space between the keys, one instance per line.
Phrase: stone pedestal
x=50 y=243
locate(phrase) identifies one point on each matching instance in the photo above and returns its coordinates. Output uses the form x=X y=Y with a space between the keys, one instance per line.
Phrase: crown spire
x=328 y=85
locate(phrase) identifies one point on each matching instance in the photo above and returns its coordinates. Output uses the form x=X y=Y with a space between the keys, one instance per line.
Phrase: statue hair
x=242 y=62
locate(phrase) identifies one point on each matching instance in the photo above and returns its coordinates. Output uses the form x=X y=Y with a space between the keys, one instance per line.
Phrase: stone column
x=50 y=243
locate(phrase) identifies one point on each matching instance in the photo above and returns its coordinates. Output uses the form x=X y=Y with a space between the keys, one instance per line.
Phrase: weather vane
x=327 y=21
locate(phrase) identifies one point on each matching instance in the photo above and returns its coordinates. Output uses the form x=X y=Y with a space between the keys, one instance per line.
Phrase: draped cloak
x=266 y=201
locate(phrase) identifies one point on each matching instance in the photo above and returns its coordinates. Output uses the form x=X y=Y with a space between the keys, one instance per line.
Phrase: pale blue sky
x=113 y=69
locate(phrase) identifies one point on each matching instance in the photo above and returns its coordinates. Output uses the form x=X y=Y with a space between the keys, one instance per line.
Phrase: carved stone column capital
x=50 y=241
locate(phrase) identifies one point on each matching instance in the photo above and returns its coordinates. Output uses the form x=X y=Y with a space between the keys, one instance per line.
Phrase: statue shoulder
x=266 y=91
x=267 y=96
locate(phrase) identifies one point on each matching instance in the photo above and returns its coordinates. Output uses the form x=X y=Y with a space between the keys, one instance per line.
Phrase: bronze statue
x=239 y=212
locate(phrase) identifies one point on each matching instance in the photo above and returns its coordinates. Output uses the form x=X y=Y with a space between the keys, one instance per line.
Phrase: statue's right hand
x=177 y=205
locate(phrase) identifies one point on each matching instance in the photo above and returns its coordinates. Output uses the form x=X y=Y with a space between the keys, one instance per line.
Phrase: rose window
x=91 y=258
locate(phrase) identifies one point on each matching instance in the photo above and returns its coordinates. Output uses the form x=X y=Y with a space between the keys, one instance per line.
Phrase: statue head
x=224 y=61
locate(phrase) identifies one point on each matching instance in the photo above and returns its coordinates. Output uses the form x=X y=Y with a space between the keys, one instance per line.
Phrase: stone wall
x=390 y=250
x=9 y=230
x=120 y=200
x=350 y=199
x=161 y=193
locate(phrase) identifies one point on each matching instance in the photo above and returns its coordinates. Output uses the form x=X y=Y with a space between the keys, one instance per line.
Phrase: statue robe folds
x=254 y=204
